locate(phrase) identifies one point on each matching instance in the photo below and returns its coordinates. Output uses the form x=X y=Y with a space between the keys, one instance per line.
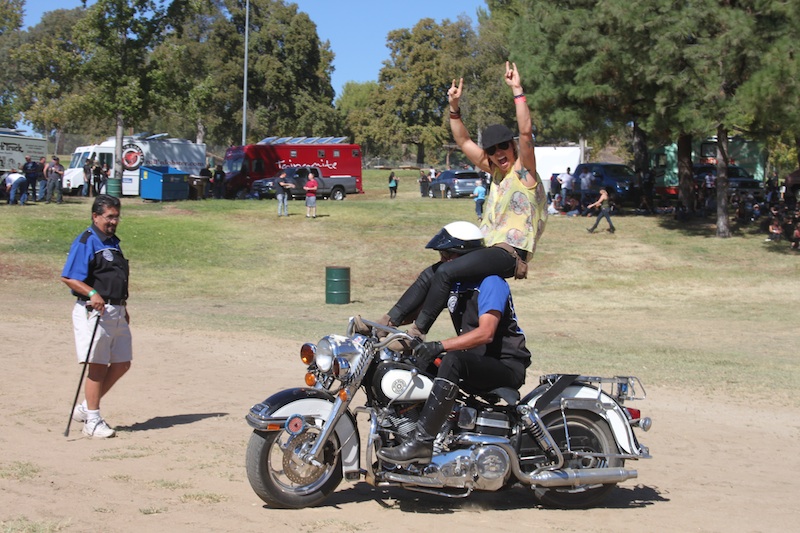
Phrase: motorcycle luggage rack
x=621 y=387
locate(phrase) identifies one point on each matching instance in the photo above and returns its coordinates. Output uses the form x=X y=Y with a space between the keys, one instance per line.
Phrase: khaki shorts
x=112 y=342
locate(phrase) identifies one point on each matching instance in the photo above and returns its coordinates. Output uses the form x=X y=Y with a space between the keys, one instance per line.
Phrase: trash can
x=197 y=187
x=337 y=285
x=163 y=183
x=114 y=187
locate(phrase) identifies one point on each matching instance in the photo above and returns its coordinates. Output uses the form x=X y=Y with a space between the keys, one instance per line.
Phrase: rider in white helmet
x=488 y=352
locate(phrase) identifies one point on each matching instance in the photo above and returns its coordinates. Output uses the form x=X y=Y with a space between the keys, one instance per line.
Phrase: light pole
x=244 y=86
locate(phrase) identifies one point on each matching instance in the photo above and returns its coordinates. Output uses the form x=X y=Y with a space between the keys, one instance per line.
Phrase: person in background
x=40 y=177
x=561 y=179
x=392 y=185
x=16 y=187
x=479 y=193
x=54 y=171
x=105 y=173
x=97 y=177
x=87 y=177
x=311 y=196
x=205 y=174
x=424 y=183
x=604 y=203
x=796 y=237
x=567 y=181
x=775 y=231
x=284 y=190
x=219 y=182
x=31 y=171
x=97 y=274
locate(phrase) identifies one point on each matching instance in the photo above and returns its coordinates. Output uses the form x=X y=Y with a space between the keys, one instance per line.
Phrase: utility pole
x=244 y=87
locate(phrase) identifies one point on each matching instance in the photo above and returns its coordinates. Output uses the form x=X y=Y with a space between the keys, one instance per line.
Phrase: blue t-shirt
x=479 y=192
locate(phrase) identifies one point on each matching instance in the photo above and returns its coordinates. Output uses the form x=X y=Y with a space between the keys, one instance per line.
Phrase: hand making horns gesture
x=454 y=93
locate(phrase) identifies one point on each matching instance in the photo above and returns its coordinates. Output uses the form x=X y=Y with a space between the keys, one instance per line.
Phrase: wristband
x=520 y=98
x=91 y=293
x=455 y=114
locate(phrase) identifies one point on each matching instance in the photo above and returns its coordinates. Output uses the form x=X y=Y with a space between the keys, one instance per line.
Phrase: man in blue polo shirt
x=488 y=352
x=97 y=274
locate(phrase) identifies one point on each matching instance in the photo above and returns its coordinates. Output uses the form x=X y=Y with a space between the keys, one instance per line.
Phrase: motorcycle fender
x=310 y=403
x=582 y=397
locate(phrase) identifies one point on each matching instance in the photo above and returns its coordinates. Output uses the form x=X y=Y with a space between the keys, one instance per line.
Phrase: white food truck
x=137 y=151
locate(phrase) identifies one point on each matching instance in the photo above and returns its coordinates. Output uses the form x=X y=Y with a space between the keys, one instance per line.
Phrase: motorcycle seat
x=507 y=394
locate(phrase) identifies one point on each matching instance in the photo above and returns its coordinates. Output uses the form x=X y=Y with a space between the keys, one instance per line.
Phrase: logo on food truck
x=322 y=164
x=132 y=157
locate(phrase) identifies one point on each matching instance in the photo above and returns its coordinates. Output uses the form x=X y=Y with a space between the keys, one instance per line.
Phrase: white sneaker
x=79 y=413
x=98 y=429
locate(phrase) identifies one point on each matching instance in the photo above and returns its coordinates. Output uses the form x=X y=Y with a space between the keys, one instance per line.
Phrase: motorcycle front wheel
x=281 y=478
x=587 y=433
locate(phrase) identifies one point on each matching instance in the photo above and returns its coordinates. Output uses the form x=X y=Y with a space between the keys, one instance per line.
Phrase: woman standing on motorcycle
x=514 y=214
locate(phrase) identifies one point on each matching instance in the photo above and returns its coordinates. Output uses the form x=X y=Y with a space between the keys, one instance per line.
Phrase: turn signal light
x=311 y=379
x=307 y=353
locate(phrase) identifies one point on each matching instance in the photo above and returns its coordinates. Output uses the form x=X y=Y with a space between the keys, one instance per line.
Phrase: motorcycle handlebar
x=393 y=333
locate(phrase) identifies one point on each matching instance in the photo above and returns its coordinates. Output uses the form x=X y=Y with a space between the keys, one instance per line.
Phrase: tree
x=117 y=36
x=289 y=75
x=189 y=74
x=414 y=81
x=769 y=100
x=10 y=23
x=52 y=90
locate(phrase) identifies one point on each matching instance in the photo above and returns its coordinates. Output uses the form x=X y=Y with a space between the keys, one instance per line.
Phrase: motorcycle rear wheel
x=587 y=433
x=280 y=478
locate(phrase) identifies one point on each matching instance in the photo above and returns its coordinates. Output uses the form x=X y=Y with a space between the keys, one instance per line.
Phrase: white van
x=137 y=151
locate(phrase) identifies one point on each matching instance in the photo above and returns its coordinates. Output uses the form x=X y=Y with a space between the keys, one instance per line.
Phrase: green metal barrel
x=114 y=187
x=337 y=285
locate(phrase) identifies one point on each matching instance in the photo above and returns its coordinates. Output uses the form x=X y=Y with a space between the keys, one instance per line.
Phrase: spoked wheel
x=281 y=478
x=586 y=434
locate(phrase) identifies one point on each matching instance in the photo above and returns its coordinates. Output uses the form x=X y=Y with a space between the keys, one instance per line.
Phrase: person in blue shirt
x=479 y=193
x=487 y=352
x=97 y=272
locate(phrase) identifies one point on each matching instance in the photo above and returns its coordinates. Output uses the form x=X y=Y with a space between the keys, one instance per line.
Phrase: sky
x=356 y=29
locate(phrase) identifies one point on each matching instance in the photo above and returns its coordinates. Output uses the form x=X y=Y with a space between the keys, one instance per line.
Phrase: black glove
x=426 y=352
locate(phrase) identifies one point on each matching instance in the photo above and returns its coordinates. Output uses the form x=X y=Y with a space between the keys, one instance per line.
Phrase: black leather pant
x=430 y=291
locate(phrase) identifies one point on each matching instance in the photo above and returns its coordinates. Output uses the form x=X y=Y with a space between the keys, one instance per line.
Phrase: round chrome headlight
x=324 y=356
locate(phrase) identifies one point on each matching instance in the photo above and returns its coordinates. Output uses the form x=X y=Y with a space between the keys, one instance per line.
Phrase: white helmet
x=459 y=237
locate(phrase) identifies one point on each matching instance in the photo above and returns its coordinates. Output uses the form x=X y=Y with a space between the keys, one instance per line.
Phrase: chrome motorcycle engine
x=483 y=467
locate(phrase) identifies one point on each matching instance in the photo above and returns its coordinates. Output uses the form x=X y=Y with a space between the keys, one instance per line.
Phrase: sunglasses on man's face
x=502 y=146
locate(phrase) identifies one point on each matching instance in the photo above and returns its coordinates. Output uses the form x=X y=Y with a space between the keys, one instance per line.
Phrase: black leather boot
x=435 y=412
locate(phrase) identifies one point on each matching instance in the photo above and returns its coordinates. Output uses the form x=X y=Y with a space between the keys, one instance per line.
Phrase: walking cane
x=83 y=374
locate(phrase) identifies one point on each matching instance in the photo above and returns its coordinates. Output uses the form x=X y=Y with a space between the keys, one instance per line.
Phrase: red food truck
x=333 y=155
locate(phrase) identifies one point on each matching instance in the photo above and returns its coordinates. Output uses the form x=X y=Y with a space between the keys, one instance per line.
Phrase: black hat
x=495 y=134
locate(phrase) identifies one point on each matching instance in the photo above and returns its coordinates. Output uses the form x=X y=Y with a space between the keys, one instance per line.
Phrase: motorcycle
x=567 y=439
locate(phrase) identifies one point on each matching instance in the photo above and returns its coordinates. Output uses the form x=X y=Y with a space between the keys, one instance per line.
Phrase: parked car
x=618 y=180
x=454 y=183
x=739 y=180
x=335 y=188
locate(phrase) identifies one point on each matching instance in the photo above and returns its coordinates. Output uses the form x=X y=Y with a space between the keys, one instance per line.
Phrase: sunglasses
x=502 y=146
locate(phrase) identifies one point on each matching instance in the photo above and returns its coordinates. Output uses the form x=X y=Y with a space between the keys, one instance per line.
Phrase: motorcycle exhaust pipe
x=567 y=477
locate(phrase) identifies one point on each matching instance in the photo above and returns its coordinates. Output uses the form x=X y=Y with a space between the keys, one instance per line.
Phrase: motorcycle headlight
x=337 y=354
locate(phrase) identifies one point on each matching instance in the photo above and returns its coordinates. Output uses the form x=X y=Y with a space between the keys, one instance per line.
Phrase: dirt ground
x=177 y=464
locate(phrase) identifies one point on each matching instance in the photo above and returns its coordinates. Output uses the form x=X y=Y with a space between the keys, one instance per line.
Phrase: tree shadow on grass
x=164 y=422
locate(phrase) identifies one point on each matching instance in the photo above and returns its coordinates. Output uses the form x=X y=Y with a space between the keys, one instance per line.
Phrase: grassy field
x=667 y=302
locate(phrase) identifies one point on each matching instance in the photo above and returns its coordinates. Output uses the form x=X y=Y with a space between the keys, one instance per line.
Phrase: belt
x=109 y=301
